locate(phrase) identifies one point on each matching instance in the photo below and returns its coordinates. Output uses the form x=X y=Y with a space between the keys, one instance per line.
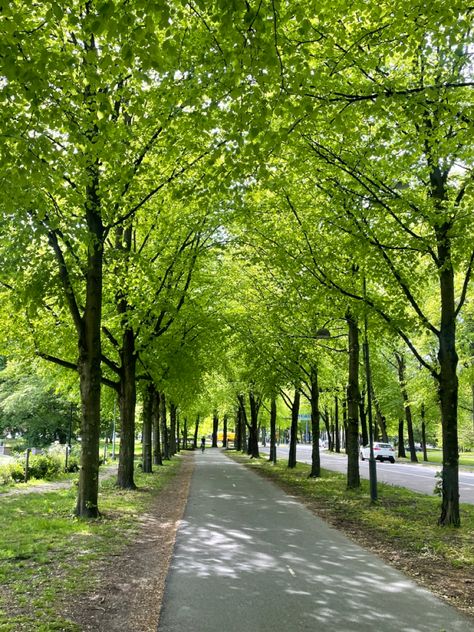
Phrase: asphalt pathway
x=251 y=558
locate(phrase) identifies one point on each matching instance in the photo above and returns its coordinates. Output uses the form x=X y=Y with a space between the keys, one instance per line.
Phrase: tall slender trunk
x=185 y=433
x=381 y=420
x=253 y=427
x=295 y=409
x=315 y=421
x=448 y=383
x=406 y=403
x=336 y=424
x=224 y=430
x=326 y=420
x=127 y=403
x=344 y=421
x=147 y=426
x=165 y=442
x=423 y=432
x=172 y=433
x=243 y=423
x=401 y=439
x=178 y=435
x=363 y=419
x=353 y=399
x=273 y=418
x=196 y=431
x=155 y=411
x=238 y=429
x=215 y=428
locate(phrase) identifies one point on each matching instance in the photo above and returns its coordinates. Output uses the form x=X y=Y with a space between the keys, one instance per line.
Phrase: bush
x=44 y=466
x=12 y=473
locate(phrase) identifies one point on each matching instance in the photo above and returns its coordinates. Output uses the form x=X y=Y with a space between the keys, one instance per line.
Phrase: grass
x=45 y=552
x=404 y=520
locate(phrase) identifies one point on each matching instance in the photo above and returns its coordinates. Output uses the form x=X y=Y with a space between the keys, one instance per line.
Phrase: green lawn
x=45 y=552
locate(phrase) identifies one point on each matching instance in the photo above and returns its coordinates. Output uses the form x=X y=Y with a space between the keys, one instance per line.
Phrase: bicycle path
x=249 y=557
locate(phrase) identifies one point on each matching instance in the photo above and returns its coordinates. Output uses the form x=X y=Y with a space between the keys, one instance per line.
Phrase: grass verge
x=46 y=553
x=401 y=526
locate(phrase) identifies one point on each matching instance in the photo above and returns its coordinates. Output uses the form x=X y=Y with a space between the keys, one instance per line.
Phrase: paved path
x=415 y=476
x=250 y=558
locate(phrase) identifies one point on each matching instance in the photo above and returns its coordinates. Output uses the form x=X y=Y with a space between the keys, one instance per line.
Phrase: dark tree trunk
x=178 y=435
x=127 y=402
x=403 y=387
x=353 y=399
x=165 y=441
x=215 y=427
x=448 y=383
x=147 y=426
x=224 y=431
x=196 y=432
x=315 y=421
x=326 y=420
x=381 y=420
x=238 y=429
x=401 y=440
x=243 y=423
x=336 y=424
x=155 y=411
x=185 y=433
x=172 y=433
x=423 y=433
x=273 y=418
x=295 y=409
x=89 y=347
x=344 y=421
x=253 y=427
x=363 y=419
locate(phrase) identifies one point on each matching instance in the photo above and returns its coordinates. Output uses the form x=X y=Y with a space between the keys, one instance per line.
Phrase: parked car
x=382 y=452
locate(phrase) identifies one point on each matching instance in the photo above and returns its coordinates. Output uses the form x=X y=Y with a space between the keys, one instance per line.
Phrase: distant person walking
x=203 y=444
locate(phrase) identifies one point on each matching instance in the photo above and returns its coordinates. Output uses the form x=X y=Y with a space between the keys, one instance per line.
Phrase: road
x=419 y=478
x=250 y=557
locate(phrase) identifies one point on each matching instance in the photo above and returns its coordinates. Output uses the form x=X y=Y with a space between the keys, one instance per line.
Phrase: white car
x=382 y=452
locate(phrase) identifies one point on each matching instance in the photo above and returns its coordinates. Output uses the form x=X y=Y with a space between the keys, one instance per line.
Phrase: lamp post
x=113 y=433
x=368 y=378
x=68 y=446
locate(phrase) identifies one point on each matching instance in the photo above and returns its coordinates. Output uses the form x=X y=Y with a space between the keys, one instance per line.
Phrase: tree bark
x=381 y=420
x=224 y=430
x=155 y=411
x=172 y=433
x=127 y=403
x=238 y=429
x=147 y=427
x=315 y=425
x=423 y=433
x=165 y=442
x=406 y=403
x=353 y=400
x=336 y=425
x=295 y=409
x=273 y=418
x=401 y=440
x=253 y=427
x=363 y=419
x=243 y=423
x=196 y=431
x=215 y=427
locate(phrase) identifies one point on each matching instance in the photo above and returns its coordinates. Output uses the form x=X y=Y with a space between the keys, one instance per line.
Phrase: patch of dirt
x=130 y=585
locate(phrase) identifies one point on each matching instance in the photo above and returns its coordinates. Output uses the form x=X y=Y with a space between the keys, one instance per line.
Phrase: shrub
x=12 y=473
x=44 y=466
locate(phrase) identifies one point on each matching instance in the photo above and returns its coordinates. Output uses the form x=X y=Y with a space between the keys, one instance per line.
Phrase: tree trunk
x=315 y=421
x=336 y=425
x=273 y=418
x=253 y=427
x=127 y=403
x=295 y=409
x=448 y=384
x=185 y=433
x=243 y=423
x=196 y=431
x=325 y=417
x=344 y=421
x=155 y=411
x=178 y=436
x=215 y=427
x=406 y=403
x=238 y=429
x=165 y=441
x=147 y=424
x=423 y=433
x=353 y=399
x=172 y=433
x=381 y=420
x=401 y=440
x=224 y=431
x=363 y=419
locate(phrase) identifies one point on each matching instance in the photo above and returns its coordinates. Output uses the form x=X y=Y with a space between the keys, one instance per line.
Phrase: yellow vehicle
x=230 y=436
